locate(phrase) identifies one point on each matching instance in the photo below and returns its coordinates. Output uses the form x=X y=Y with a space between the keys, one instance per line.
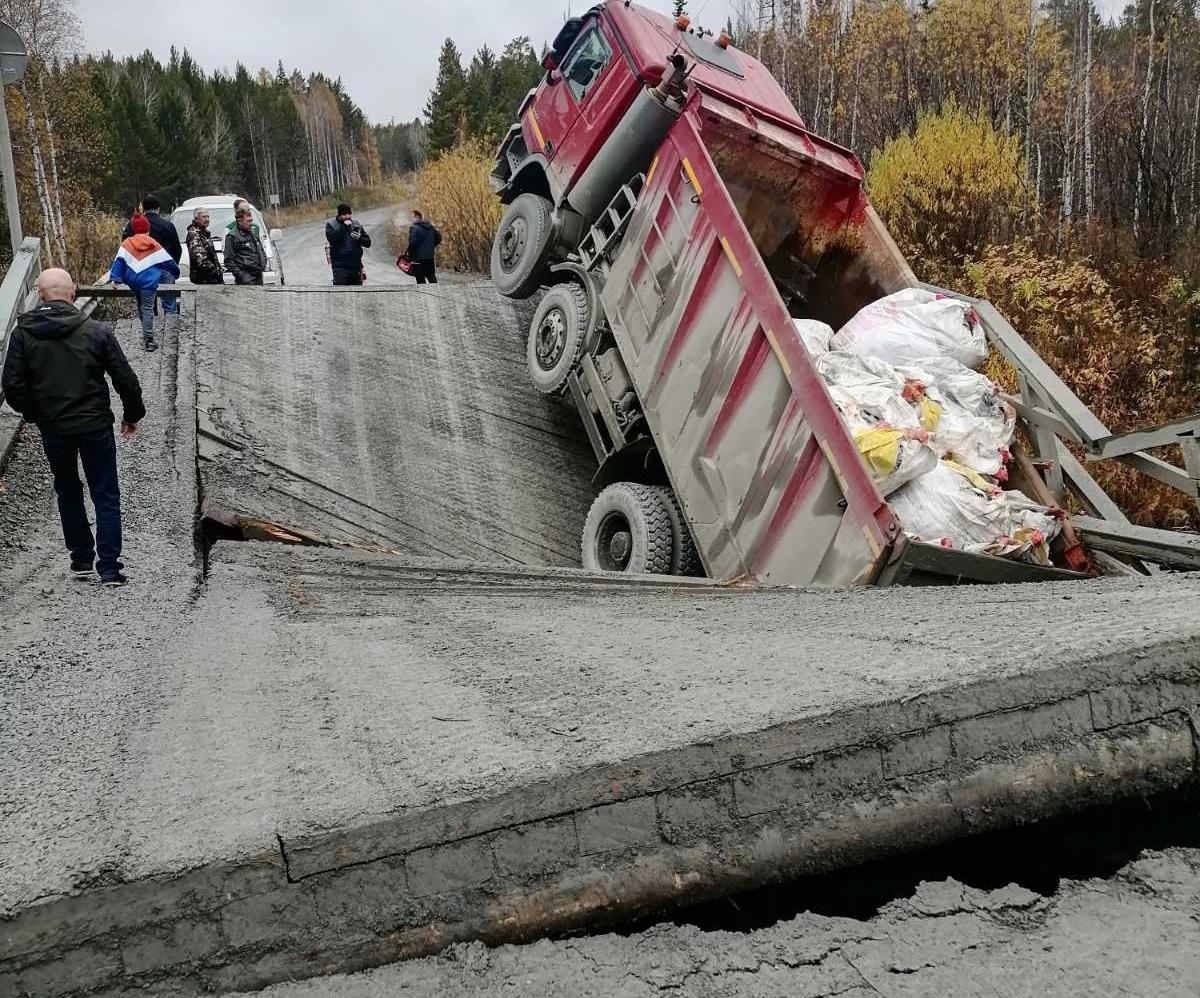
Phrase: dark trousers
x=247 y=277
x=97 y=450
x=346 y=277
x=423 y=271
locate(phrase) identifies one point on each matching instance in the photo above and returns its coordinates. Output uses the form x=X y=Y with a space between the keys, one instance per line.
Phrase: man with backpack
x=423 y=241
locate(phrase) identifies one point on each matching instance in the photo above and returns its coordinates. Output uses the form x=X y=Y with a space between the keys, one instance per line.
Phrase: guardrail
x=16 y=288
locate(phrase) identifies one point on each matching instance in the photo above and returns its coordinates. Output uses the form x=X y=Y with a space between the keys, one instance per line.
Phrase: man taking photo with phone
x=347 y=239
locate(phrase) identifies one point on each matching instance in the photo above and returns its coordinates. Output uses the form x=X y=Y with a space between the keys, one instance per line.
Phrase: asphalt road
x=303 y=250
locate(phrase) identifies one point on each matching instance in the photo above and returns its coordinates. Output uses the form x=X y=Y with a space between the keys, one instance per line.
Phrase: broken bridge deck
x=314 y=760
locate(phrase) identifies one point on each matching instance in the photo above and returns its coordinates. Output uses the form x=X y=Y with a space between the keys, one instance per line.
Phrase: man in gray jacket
x=245 y=257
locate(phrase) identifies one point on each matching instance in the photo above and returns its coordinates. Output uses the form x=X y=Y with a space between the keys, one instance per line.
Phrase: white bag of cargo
x=955 y=507
x=814 y=334
x=976 y=426
x=911 y=324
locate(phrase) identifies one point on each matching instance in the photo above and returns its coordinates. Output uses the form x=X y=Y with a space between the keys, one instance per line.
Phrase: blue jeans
x=98 y=452
x=145 y=303
x=171 y=304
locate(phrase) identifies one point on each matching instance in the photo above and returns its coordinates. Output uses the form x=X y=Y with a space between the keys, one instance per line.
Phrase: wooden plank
x=121 y=291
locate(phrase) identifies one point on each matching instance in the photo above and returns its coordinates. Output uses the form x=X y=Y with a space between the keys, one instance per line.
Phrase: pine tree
x=680 y=8
x=447 y=103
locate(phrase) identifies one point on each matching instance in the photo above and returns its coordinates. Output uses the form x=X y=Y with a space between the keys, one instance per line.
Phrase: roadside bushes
x=92 y=240
x=454 y=194
x=948 y=190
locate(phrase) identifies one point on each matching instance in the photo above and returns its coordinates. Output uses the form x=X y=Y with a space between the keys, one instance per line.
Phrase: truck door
x=582 y=76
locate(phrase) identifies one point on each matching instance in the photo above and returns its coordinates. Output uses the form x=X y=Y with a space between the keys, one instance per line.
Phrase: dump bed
x=771 y=482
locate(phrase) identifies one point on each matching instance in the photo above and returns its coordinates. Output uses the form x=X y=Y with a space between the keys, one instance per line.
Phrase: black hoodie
x=423 y=240
x=55 y=366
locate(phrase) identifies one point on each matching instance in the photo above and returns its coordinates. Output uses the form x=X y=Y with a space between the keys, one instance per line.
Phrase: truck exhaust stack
x=633 y=142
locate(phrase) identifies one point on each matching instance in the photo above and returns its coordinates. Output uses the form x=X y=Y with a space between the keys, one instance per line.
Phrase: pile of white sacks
x=934 y=432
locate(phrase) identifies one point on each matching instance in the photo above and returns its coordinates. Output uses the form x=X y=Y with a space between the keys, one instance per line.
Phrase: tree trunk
x=1144 y=129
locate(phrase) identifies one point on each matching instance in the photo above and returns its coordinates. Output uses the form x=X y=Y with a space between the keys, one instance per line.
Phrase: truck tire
x=685 y=559
x=521 y=246
x=628 y=529
x=556 y=336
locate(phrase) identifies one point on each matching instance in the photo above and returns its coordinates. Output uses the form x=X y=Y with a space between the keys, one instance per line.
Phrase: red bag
x=404 y=263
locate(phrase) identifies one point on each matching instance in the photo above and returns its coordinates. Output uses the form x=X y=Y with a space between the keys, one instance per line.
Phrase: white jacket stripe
x=160 y=255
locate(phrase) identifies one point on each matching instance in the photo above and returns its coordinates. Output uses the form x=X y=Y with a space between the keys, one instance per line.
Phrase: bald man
x=54 y=375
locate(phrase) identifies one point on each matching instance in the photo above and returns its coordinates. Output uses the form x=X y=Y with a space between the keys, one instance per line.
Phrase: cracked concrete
x=398 y=418
x=1136 y=933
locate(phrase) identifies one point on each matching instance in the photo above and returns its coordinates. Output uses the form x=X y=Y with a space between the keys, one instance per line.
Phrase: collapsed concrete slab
x=362 y=760
x=400 y=418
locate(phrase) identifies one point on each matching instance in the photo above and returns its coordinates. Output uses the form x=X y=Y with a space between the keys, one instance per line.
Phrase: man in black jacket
x=54 y=376
x=347 y=239
x=423 y=241
x=162 y=230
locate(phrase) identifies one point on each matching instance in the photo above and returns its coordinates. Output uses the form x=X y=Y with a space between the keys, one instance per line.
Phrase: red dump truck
x=662 y=185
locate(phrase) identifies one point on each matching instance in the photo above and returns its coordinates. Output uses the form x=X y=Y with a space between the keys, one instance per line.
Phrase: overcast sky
x=384 y=50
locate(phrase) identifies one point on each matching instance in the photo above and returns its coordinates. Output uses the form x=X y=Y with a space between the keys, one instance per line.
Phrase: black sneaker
x=150 y=345
x=114 y=581
x=81 y=570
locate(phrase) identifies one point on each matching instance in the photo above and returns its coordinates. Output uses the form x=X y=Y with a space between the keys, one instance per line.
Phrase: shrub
x=92 y=242
x=454 y=193
x=947 y=190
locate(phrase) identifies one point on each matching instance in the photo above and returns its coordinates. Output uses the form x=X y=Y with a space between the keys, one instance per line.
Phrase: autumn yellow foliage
x=948 y=190
x=454 y=194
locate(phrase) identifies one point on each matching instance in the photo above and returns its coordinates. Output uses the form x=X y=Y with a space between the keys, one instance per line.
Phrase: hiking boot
x=81 y=569
x=150 y=344
x=114 y=581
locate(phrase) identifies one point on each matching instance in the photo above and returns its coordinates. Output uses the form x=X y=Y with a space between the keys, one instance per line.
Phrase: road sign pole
x=11 y=206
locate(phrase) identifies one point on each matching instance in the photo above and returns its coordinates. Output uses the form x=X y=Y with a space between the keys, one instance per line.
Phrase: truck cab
x=589 y=126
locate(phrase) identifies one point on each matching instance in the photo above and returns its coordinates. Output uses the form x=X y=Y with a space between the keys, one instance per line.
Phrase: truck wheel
x=556 y=336
x=685 y=559
x=628 y=529
x=521 y=246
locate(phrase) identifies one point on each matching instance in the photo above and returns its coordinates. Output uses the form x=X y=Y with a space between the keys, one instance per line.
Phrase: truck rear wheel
x=556 y=336
x=685 y=559
x=628 y=529
x=521 y=246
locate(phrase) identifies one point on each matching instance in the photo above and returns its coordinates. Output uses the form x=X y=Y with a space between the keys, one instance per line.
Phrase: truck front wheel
x=628 y=529
x=521 y=246
x=556 y=336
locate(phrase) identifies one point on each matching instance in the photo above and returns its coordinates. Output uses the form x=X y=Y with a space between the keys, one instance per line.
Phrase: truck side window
x=586 y=63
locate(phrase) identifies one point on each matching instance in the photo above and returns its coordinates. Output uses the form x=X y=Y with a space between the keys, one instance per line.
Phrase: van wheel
x=628 y=529
x=556 y=336
x=521 y=246
x=685 y=559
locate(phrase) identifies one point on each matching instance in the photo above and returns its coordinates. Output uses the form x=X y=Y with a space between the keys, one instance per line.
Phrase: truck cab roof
x=650 y=37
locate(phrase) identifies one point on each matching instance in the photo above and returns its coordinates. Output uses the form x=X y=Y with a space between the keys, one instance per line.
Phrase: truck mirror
x=549 y=63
